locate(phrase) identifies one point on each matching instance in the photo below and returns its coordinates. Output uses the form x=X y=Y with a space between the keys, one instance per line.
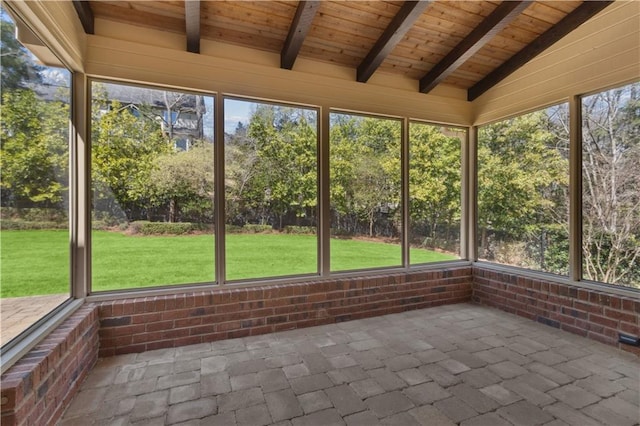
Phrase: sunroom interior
x=236 y=169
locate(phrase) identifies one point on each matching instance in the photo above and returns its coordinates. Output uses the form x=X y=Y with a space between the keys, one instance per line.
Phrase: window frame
x=464 y=189
x=88 y=197
x=27 y=339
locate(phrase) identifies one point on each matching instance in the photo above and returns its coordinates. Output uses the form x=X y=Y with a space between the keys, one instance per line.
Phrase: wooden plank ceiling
x=471 y=45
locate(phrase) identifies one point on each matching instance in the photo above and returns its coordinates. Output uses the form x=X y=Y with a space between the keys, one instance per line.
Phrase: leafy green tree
x=434 y=185
x=124 y=151
x=272 y=169
x=365 y=174
x=183 y=180
x=34 y=151
x=522 y=186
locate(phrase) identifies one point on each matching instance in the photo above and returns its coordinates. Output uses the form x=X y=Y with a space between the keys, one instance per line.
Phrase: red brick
x=160 y=325
x=607 y=322
x=234 y=334
x=184 y=341
x=163 y=344
x=187 y=322
x=620 y=316
x=588 y=307
x=226 y=326
x=265 y=329
x=202 y=329
x=572 y=329
x=143 y=338
x=130 y=349
x=146 y=318
x=633 y=329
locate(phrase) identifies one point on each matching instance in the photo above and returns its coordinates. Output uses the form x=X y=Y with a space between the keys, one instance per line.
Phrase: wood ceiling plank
x=399 y=26
x=545 y=12
x=253 y=21
x=125 y=13
x=242 y=38
x=330 y=24
x=326 y=55
x=570 y=22
x=485 y=31
x=300 y=26
x=352 y=12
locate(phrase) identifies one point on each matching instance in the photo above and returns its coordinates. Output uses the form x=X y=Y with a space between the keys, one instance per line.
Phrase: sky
x=236 y=111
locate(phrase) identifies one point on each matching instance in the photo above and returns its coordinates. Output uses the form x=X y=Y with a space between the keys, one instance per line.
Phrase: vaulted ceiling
x=471 y=45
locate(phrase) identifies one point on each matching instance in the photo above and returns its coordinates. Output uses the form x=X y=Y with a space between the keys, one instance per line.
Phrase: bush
x=250 y=228
x=24 y=225
x=300 y=230
x=233 y=229
x=165 y=228
x=34 y=214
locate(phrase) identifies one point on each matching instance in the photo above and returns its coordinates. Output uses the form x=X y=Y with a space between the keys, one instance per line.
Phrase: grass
x=36 y=262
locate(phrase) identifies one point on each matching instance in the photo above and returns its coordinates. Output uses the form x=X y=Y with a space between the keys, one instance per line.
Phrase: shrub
x=24 y=225
x=233 y=229
x=165 y=228
x=250 y=228
x=300 y=230
x=34 y=214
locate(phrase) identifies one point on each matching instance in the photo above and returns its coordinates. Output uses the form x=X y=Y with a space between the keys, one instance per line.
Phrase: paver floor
x=19 y=313
x=458 y=364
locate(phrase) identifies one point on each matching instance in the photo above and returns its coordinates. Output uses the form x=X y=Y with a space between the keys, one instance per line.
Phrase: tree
x=611 y=186
x=34 y=151
x=434 y=184
x=18 y=68
x=271 y=168
x=522 y=188
x=365 y=174
x=286 y=149
x=124 y=150
x=183 y=180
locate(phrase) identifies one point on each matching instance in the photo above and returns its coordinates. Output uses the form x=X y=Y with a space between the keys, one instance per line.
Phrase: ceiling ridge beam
x=83 y=9
x=192 y=24
x=392 y=35
x=506 y=12
x=569 y=23
x=300 y=26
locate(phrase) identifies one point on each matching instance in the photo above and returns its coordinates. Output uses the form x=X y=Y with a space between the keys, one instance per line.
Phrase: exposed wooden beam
x=494 y=23
x=192 y=21
x=569 y=23
x=83 y=9
x=392 y=35
x=297 y=32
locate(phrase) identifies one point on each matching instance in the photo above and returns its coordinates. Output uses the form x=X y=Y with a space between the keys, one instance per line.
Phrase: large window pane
x=152 y=181
x=435 y=176
x=34 y=165
x=365 y=173
x=271 y=175
x=611 y=186
x=523 y=195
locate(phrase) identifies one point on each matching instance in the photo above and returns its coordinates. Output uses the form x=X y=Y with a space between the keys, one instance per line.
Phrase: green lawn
x=36 y=262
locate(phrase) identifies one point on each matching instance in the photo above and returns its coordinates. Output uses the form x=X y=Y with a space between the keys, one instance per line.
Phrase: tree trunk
x=173 y=210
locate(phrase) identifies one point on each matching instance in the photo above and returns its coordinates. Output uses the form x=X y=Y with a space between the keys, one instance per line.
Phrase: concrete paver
x=459 y=364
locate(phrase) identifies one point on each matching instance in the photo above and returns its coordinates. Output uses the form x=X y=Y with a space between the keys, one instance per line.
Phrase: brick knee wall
x=138 y=325
x=596 y=314
x=37 y=389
